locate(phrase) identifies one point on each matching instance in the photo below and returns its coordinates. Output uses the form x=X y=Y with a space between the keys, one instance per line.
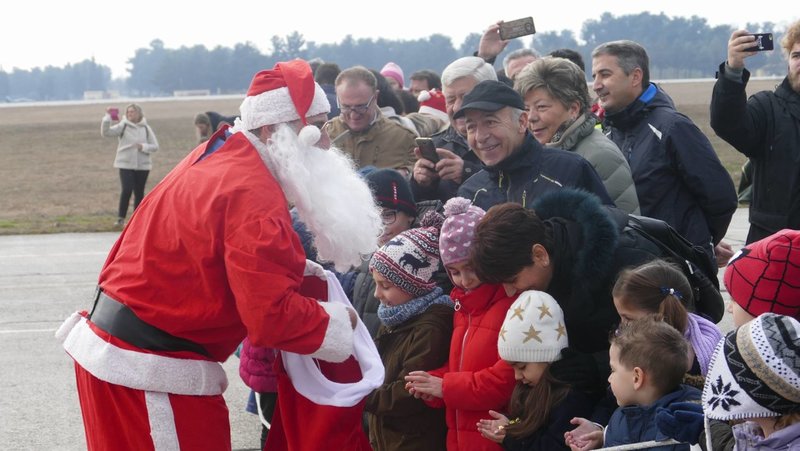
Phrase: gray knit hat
x=534 y=330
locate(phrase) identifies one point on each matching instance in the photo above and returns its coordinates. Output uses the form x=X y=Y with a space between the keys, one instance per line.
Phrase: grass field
x=57 y=169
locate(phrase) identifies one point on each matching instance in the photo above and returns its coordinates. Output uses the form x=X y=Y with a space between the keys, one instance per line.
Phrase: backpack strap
x=707 y=299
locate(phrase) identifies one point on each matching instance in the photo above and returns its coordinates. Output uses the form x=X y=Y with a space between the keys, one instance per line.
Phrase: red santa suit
x=208 y=258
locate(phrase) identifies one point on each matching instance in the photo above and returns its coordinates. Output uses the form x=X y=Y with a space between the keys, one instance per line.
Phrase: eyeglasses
x=388 y=217
x=358 y=109
x=322 y=125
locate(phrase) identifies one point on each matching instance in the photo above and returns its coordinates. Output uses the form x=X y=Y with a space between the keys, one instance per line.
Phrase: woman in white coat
x=136 y=142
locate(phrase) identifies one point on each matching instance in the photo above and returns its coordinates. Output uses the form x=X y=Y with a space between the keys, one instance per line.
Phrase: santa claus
x=210 y=257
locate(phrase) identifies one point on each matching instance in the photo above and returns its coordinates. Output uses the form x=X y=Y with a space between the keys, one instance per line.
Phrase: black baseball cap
x=490 y=95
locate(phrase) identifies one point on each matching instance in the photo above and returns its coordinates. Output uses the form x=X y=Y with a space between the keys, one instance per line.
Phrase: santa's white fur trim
x=337 y=345
x=139 y=370
x=162 y=421
x=309 y=135
x=308 y=379
x=276 y=106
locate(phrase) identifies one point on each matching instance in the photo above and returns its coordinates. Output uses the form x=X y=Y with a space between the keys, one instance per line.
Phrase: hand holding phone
x=114 y=113
x=517 y=28
x=763 y=42
x=427 y=149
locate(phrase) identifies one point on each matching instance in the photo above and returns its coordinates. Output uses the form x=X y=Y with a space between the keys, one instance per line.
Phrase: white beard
x=331 y=198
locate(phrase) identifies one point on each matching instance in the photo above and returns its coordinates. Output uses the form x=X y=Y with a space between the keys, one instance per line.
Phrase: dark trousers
x=266 y=404
x=132 y=181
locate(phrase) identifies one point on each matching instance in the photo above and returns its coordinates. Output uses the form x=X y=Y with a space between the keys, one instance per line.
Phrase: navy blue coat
x=678 y=176
x=530 y=171
x=443 y=190
x=633 y=424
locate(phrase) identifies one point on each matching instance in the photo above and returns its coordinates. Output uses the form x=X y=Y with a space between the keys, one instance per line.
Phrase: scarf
x=703 y=336
x=394 y=315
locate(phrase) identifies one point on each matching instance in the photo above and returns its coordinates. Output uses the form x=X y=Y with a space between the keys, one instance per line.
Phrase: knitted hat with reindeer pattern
x=410 y=259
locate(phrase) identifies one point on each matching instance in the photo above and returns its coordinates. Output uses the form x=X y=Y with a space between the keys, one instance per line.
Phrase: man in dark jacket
x=457 y=163
x=516 y=167
x=766 y=128
x=678 y=176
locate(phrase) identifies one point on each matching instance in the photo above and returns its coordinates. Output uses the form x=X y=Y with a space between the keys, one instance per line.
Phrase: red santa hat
x=432 y=102
x=285 y=93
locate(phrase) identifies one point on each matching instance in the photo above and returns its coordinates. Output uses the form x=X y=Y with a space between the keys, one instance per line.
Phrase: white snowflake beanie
x=755 y=371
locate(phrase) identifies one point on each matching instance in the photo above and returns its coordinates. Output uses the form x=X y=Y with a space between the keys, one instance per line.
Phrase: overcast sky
x=37 y=33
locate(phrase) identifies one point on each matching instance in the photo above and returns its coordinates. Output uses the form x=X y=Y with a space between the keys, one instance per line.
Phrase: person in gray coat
x=559 y=116
x=136 y=142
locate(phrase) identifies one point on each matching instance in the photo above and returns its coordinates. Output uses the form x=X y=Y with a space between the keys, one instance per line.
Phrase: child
x=475 y=379
x=760 y=278
x=398 y=211
x=648 y=361
x=660 y=288
x=416 y=325
x=755 y=376
x=763 y=277
x=533 y=336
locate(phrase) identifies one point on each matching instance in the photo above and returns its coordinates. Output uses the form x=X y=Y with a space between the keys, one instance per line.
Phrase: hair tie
x=671 y=291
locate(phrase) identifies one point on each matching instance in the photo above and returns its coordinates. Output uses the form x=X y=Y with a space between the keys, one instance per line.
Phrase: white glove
x=314 y=269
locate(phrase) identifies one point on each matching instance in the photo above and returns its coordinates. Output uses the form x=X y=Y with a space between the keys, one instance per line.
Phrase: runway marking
x=27 y=331
x=44 y=254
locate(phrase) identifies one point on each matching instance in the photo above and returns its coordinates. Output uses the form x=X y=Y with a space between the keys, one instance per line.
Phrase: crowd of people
x=493 y=296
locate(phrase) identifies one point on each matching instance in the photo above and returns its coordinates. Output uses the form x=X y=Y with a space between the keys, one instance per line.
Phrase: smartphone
x=114 y=113
x=427 y=149
x=763 y=42
x=517 y=28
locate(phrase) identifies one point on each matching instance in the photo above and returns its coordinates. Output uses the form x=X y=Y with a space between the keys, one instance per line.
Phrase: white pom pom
x=423 y=96
x=309 y=135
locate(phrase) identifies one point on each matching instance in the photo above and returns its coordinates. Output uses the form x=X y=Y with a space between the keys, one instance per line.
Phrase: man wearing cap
x=440 y=180
x=516 y=167
x=211 y=258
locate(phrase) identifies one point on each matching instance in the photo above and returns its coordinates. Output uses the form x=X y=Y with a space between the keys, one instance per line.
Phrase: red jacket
x=210 y=255
x=475 y=379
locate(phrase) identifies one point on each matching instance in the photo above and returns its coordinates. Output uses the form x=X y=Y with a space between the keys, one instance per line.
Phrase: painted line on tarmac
x=30 y=286
x=44 y=254
x=27 y=331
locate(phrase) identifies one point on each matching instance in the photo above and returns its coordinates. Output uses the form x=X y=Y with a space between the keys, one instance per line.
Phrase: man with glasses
x=362 y=132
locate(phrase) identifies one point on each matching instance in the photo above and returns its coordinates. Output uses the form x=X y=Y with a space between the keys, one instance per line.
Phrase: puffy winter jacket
x=475 y=379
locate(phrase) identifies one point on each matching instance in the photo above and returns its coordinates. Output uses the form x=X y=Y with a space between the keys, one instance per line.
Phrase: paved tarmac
x=44 y=279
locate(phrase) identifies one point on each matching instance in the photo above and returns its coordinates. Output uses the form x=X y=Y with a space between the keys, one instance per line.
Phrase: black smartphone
x=517 y=28
x=763 y=42
x=427 y=149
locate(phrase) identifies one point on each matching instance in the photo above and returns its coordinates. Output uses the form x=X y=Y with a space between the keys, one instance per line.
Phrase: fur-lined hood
x=594 y=252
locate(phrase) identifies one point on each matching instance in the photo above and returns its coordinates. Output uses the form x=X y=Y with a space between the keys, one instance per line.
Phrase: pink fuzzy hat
x=393 y=71
x=455 y=238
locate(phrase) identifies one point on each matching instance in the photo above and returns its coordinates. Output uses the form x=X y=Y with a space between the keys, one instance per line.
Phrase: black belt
x=118 y=320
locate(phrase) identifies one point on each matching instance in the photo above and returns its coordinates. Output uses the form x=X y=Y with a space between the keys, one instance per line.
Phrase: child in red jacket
x=475 y=379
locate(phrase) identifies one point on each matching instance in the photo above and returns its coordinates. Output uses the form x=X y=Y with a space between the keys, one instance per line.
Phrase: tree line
x=678 y=47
